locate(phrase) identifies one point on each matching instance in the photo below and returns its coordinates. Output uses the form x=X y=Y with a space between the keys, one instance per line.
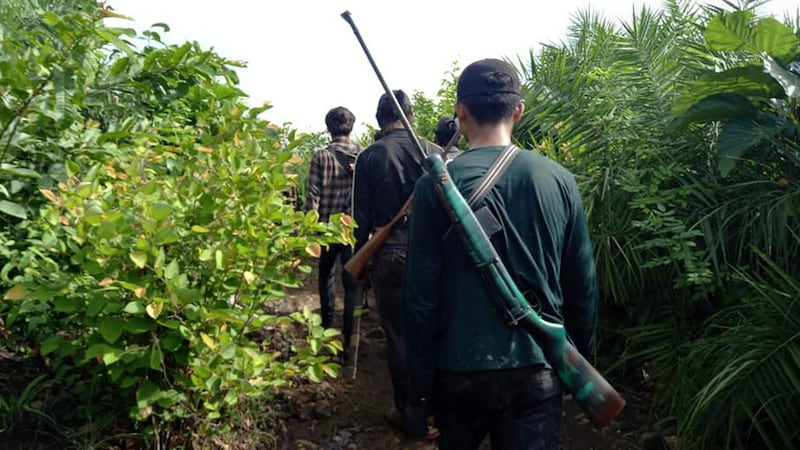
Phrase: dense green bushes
x=145 y=224
x=683 y=127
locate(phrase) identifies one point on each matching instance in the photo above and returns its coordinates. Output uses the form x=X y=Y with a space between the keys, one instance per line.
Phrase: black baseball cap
x=487 y=77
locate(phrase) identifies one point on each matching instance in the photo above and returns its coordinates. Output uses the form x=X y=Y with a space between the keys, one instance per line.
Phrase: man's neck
x=396 y=125
x=340 y=139
x=490 y=136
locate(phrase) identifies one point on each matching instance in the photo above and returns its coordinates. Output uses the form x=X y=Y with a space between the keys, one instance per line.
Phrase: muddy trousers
x=520 y=409
x=327 y=289
x=387 y=280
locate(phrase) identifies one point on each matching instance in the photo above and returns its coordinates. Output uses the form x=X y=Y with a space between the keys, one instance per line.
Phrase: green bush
x=146 y=225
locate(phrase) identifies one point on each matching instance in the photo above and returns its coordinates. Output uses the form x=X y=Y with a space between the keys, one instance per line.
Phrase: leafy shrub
x=146 y=226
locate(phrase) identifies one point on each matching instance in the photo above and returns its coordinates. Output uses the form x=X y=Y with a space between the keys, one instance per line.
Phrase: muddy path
x=347 y=412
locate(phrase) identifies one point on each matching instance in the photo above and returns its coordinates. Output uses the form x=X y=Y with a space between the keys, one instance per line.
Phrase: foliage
x=145 y=226
x=427 y=112
x=756 y=340
x=755 y=98
x=645 y=115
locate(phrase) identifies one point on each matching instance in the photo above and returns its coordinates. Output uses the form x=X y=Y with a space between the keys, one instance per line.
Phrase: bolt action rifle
x=599 y=400
x=358 y=262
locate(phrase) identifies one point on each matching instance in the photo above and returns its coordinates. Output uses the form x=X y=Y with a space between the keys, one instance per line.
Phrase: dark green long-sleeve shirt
x=451 y=323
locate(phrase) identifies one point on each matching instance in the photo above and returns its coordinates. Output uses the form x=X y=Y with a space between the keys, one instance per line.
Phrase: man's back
x=330 y=178
x=385 y=176
x=544 y=245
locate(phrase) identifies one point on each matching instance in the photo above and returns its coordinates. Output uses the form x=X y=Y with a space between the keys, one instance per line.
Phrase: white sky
x=304 y=59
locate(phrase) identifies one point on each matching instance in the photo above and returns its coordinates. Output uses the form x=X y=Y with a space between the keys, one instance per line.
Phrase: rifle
x=598 y=399
x=358 y=262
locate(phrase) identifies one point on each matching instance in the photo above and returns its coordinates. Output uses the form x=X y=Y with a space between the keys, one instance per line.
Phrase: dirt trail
x=347 y=412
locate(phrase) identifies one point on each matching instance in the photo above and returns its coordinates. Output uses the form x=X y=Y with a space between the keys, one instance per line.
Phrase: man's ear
x=518 y=111
x=461 y=112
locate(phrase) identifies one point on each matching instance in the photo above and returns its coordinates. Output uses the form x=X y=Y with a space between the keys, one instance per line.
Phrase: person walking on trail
x=470 y=374
x=329 y=191
x=384 y=179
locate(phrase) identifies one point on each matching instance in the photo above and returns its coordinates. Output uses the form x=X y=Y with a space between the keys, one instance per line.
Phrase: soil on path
x=347 y=412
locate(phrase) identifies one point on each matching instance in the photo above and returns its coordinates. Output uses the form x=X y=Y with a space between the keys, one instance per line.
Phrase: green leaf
x=137 y=325
x=49 y=345
x=134 y=308
x=166 y=235
x=139 y=258
x=111 y=355
x=748 y=81
x=330 y=332
x=15 y=171
x=13 y=209
x=736 y=138
x=147 y=394
x=729 y=31
x=218 y=260
x=155 y=358
x=172 y=270
x=111 y=328
x=776 y=39
x=110 y=37
x=717 y=107
x=160 y=210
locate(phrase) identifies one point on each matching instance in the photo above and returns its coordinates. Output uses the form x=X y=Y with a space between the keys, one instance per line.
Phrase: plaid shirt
x=330 y=182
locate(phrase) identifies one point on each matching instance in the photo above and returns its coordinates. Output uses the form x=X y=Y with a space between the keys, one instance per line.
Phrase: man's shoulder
x=533 y=159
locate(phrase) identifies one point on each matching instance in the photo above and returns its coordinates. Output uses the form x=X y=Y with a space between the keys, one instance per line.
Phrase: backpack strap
x=345 y=159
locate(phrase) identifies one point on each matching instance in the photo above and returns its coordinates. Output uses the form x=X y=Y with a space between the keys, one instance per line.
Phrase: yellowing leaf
x=106 y=282
x=250 y=277
x=204 y=149
x=199 y=229
x=139 y=258
x=154 y=310
x=208 y=341
x=314 y=250
x=346 y=220
x=49 y=195
x=295 y=160
x=139 y=292
x=15 y=293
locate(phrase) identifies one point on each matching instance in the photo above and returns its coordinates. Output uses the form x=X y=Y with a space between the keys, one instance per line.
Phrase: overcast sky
x=304 y=59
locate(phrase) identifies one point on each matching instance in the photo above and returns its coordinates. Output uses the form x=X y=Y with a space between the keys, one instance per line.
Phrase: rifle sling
x=487 y=220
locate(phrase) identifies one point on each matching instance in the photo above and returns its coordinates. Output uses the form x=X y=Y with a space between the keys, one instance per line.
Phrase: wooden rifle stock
x=358 y=262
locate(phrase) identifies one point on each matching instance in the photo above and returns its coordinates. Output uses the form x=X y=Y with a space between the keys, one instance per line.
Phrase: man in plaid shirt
x=330 y=184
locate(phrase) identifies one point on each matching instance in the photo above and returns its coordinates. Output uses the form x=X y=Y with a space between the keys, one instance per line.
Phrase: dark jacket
x=544 y=245
x=384 y=178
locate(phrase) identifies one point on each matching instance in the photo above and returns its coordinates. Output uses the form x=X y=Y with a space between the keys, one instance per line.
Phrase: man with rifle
x=468 y=369
x=384 y=180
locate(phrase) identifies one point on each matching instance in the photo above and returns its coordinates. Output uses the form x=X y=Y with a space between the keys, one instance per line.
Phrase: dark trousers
x=520 y=409
x=327 y=289
x=387 y=280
